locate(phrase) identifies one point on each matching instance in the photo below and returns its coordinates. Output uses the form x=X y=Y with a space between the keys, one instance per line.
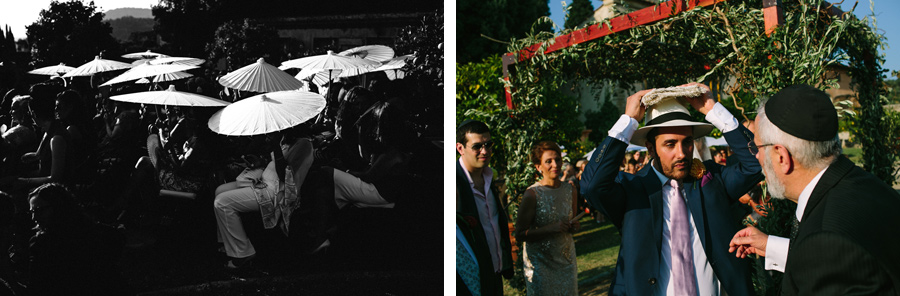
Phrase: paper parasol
x=266 y=113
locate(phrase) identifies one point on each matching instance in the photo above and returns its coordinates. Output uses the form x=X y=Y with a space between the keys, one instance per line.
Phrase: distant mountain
x=128 y=11
x=124 y=26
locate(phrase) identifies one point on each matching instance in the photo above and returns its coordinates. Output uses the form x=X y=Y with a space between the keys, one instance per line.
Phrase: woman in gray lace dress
x=545 y=225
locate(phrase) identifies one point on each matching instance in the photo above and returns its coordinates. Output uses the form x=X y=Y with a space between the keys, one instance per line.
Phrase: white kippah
x=658 y=94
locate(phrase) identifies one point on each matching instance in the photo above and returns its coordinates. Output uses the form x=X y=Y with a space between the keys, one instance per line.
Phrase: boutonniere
x=699 y=172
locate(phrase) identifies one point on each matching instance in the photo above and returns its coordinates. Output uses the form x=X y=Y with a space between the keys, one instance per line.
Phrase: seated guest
x=69 y=254
x=378 y=185
x=272 y=192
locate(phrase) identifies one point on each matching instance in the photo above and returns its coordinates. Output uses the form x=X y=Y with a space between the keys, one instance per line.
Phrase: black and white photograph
x=203 y=147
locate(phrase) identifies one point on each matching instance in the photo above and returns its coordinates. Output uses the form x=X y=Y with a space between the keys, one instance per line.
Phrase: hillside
x=129 y=11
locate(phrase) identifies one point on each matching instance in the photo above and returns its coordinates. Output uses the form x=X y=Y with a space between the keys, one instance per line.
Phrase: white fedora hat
x=669 y=112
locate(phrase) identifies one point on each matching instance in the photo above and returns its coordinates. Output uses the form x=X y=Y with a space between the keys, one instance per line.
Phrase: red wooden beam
x=621 y=23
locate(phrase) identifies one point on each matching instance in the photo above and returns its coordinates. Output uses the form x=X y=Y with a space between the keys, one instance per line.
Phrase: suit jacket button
x=652 y=281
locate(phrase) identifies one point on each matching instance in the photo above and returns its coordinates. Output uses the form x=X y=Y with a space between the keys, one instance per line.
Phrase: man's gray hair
x=810 y=154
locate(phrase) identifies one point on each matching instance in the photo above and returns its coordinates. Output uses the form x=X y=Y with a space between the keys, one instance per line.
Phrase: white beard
x=774 y=185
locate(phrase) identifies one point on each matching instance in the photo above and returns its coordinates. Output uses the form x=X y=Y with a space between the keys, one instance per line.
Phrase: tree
x=579 y=11
x=243 y=42
x=65 y=24
x=499 y=20
x=187 y=25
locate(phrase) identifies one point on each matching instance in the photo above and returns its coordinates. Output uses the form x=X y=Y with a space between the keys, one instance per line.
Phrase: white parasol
x=392 y=68
x=266 y=113
x=55 y=70
x=170 y=97
x=376 y=53
x=260 y=77
x=143 y=55
x=330 y=61
x=96 y=66
x=318 y=76
x=165 y=77
x=177 y=61
x=147 y=70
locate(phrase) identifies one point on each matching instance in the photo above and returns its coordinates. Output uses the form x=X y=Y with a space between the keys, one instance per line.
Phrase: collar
x=662 y=178
x=807 y=191
x=487 y=173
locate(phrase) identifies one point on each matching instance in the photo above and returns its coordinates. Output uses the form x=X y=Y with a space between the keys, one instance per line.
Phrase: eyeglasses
x=486 y=145
x=755 y=149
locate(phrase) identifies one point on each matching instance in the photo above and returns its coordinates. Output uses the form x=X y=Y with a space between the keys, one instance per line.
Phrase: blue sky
x=889 y=26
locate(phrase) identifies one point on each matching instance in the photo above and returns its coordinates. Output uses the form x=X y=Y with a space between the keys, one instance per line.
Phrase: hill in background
x=129 y=11
x=125 y=21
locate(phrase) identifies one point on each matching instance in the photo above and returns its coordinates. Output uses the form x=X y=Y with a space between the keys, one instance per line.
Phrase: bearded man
x=838 y=245
x=674 y=224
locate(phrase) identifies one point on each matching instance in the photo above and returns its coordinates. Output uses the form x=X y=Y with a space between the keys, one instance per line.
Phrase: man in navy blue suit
x=675 y=223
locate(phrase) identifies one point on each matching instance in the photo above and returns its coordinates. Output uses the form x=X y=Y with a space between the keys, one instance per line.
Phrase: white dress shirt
x=488 y=214
x=776 y=246
x=707 y=282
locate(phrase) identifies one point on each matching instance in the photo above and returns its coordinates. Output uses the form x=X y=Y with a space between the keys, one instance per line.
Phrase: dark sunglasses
x=485 y=145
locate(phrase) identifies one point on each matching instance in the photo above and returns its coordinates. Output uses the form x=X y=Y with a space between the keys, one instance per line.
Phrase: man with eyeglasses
x=843 y=234
x=480 y=214
x=674 y=214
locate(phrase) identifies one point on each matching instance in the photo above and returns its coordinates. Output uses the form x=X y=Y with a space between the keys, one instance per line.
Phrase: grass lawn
x=596 y=246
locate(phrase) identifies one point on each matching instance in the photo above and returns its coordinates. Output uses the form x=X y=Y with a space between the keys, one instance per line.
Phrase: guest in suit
x=484 y=220
x=673 y=214
x=838 y=244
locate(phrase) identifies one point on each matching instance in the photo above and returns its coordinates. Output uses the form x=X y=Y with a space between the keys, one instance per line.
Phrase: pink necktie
x=682 y=254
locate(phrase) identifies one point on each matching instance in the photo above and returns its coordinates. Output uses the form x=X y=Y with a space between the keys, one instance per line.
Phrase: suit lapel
x=654 y=193
x=834 y=173
x=694 y=198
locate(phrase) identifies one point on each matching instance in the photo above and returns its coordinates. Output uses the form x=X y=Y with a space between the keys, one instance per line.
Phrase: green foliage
x=66 y=23
x=578 y=12
x=426 y=42
x=601 y=120
x=777 y=222
x=499 y=20
x=893 y=91
x=892 y=128
x=241 y=43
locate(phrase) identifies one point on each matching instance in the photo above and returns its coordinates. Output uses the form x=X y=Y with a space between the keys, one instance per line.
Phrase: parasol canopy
x=147 y=70
x=266 y=113
x=177 y=61
x=376 y=53
x=331 y=61
x=170 y=97
x=143 y=55
x=165 y=77
x=55 y=70
x=260 y=77
x=96 y=66
x=392 y=68
x=318 y=76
